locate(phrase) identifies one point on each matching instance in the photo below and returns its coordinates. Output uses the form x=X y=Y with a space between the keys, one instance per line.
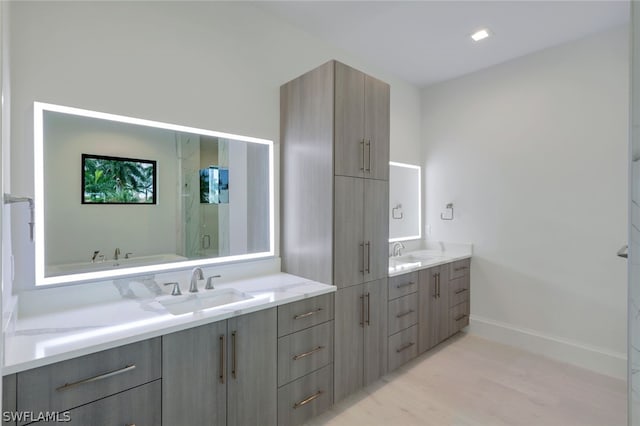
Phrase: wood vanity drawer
x=458 y=317
x=403 y=313
x=138 y=406
x=459 y=290
x=304 y=314
x=404 y=284
x=403 y=346
x=306 y=397
x=305 y=351
x=69 y=384
x=459 y=268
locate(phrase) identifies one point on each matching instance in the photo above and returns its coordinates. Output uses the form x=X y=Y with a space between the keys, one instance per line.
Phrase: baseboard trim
x=590 y=357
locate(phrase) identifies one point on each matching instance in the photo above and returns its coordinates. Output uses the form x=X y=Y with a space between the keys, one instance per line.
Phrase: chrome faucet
x=209 y=285
x=116 y=254
x=397 y=249
x=196 y=275
x=95 y=254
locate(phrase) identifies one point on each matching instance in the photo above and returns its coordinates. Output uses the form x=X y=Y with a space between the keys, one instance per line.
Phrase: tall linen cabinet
x=334 y=207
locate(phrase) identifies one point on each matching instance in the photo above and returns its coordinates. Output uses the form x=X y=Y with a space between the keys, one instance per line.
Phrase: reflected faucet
x=196 y=275
x=397 y=249
x=116 y=254
x=95 y=254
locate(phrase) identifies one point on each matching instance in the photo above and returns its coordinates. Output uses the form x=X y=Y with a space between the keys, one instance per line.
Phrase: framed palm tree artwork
x=118 y=180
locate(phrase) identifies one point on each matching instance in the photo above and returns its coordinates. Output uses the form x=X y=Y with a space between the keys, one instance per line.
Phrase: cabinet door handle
x=306 y=354
x=222 y=357
x=98 y=377
x=461 y=268
x=234 y=371
x=307 y=314
x=404 y=314
x=362 y=157
x=404 y=284
x=438 y=285
x=307 y=399
x=405 y=347
x=362 y=263
x=462 y=290
x=362 y=310
x=368 y=308
x=369 y=150
x=460 y=317
x=368 y=246
x=435 y=286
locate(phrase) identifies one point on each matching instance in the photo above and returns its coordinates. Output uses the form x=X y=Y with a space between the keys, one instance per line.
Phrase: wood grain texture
x=191 y=362
x=404 y=284
x=472 y=381
x=349 y=232
x=138 y=406
x=9 y=396
x=377 y=127
x=426 y=295
x=349 y=121
x=403 y=347
x=305 y=313
x=316 y=341
x=306 y=179
x=317 y=383
x=252 y=393
x=376 y=228
x=458 y=317
x=37 y=387
x=349 y=341
x=403 y=313
x=375 y=331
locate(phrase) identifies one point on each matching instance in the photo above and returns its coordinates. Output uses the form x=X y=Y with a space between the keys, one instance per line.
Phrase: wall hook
x=395 y=215
x=448 y=207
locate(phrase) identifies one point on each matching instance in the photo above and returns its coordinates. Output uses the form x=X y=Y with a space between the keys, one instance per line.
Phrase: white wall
x=74 y=230
x=213 y=65
x=533 y=154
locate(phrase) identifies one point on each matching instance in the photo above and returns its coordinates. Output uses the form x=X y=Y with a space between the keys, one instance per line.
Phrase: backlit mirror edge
x=419 y=236
x=39 y=109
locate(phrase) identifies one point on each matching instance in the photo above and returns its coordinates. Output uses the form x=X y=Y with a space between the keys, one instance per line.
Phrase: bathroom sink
x=178 y=305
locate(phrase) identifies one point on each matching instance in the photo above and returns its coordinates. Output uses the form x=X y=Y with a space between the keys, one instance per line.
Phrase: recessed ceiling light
x=480 y=34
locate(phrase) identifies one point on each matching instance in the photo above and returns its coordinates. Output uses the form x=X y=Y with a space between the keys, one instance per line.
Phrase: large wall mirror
x=119 y=196
x=405 y=205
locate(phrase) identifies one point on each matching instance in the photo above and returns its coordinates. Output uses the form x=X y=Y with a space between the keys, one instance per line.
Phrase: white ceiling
x=424 y=42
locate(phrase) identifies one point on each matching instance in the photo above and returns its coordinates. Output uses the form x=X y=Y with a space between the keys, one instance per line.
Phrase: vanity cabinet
x=8 y=398
x=124 y=380
x=223 y=373
x=335 y=201
x=305 y=359
x=403 y=319
x=433 y=307
x=361 y=336
x=459 y=295
x=361 y=124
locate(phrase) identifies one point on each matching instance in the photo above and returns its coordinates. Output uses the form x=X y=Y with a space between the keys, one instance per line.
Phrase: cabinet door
x=375 y=331
x=349 y=341
x=348 y=239
x=192 y=372
x=376 y=229
x=444 y=329
x=427 y=306
x=349 y=147
x=9 y=397
x=252 y=369
x=376 y=130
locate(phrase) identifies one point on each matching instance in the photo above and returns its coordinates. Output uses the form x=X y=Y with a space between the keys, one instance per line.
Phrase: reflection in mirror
x=405 y=207
x=117 y=195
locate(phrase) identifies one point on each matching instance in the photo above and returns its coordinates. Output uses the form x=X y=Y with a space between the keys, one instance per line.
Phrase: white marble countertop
x=423 y=259
x=130 y=311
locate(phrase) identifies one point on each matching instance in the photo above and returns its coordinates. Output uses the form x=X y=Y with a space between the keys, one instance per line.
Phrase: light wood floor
x=471 y=381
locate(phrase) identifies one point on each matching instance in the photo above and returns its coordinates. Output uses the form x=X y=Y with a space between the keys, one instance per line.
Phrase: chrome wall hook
x=399 y=215
x=447 y=207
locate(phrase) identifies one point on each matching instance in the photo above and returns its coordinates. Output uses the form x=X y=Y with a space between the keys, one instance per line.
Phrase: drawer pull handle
x=306 y=354
x=461 y=268
x=462 y=290
x=404 y=314
x=463 y=316
x=96 y=378
x=405 y=347
x=308 y=399
x=308 y=314
x=223 y=354
x=404 y=284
